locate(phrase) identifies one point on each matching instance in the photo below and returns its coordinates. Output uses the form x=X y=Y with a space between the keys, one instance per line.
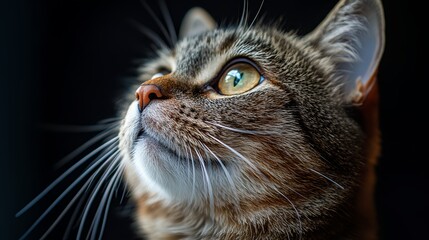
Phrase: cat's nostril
x=146 y=93
x=152 y=96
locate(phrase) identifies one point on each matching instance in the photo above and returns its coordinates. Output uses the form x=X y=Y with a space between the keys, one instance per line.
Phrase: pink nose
x=146 y=93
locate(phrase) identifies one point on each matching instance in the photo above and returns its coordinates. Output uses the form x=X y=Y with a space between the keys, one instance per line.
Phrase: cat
x=251 y=132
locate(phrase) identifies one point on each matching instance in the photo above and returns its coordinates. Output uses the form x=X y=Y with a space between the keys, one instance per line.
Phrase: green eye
x=239 y=78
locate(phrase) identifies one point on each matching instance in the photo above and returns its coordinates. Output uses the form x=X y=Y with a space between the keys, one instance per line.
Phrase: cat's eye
x=239 y=78
x=161 y=72
x=157 y=75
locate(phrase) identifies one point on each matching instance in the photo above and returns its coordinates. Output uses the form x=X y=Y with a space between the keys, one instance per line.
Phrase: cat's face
x=206 y=138
x=246 y=116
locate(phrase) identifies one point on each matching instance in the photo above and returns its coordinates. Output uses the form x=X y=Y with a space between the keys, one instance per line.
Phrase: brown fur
x=292 y=158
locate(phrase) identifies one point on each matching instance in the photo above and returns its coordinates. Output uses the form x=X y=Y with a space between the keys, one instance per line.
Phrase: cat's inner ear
x=195 y=22
x=352 y=36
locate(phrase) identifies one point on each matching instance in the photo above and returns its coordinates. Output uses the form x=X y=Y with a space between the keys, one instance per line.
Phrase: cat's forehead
x=201 y=57
x=192 y=54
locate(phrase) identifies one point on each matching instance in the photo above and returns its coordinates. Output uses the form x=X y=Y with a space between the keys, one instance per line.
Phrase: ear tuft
x=195 y=22
x=352 y=36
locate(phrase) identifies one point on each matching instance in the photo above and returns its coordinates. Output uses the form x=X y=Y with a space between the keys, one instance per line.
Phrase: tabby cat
x=251 y=132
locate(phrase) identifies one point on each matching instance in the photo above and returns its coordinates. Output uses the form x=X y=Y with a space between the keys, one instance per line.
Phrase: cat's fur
x=290 y=159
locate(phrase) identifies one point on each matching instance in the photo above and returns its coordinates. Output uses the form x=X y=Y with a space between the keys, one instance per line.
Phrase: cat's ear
x=352 y=36
x=195 y=22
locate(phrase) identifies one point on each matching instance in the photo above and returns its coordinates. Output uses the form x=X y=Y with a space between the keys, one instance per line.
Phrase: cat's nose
x=146 y=93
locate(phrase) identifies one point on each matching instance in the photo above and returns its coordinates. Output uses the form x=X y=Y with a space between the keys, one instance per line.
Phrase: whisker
x=228 y=176
x=83 y=147
x=327 y=178
x=64 y=175
x=297 y=193
x=70 y=204
x=244 y=14
x=93 y=195
x=77 y=128
x=117 y=181
x=168 y=21
x=296 y=211
x=209 y=186
x=124 y=192
x=156 y=39
x=109 y=120
x=257 y=14
x=193 y=174
x=62 y=195
x=96 y=218
x=238 y=154
x=120 y=180
x=158 y=21
x=188 y=165
x=78 y=207
x=75 y=214
x=103 y=203
x=252 y=132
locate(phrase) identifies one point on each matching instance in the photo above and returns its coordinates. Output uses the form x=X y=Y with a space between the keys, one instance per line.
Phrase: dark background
x=69 y=62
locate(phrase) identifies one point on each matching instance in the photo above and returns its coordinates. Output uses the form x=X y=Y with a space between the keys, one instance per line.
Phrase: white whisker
x=75 y=213
x=193 y=174
x=121 y=178
x=96 y=219
x=117 y=181
x=252 y=132
x=188 y=164
x=257 y=14
x=168 y=21
x=65 y=174
x=244 y=14
x=78 y=128
x=156 y=39
x=294 y=191
x=93 y=195
x=77 y=208
x=125 y=191
x=109 y=120
x=83 y=147
x=70 y=204
x=62 y=195
x=327 y=178
x=225 y=170
x=158 y=21
x=209 y=185
x=105 y=201
x=296 y=211
x=237 y=154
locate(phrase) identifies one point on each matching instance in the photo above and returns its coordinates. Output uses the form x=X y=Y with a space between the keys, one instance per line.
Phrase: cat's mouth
x=140 y=134
x=154 y=141
x=157 y=145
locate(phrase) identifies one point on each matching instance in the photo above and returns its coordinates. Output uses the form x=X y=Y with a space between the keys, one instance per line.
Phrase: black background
x=69 y=62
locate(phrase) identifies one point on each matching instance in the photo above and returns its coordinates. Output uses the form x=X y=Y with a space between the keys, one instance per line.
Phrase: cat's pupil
x=236 y=75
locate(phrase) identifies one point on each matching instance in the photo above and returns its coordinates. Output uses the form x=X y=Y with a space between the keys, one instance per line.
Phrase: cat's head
x=253 y=115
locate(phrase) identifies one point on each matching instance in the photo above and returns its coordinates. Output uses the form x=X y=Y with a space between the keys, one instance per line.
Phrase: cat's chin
x=155 y=145
x=157 y=166
x=164 y=173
